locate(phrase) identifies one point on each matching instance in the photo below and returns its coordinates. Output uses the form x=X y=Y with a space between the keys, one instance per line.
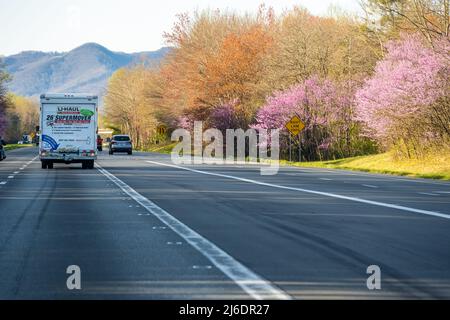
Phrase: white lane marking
x=374 y=175
x=428 y=194
x=327 y=194
x=325 y=179
x=444 y=192
x=174 y=243
x=250 y=282
x=201 y=267
x=2 y=182
x=16 y=172
x=369 y=186
x=10 y=177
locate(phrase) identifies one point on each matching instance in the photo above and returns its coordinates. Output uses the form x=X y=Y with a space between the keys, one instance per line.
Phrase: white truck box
x=68 y=125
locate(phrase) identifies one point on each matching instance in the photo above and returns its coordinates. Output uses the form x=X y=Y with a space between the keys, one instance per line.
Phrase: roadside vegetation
x=160 y=148
x=434 y=166
x=362 y=85
x=18 y=115
x=9 y=147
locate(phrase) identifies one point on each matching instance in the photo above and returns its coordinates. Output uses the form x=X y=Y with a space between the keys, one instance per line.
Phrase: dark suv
x=120 y=143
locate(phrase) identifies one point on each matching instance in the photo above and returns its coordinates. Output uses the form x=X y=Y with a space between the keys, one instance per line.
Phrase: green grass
x=9 y=147
x=433 y=166
x=161 y=148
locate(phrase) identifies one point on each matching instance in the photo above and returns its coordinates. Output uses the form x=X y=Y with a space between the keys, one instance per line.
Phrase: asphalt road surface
x=139 y=227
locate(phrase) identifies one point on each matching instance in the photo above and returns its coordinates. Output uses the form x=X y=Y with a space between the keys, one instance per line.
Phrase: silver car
x=120 y=143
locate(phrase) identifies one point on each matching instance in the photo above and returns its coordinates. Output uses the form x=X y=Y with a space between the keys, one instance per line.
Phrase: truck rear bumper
x=67 y=159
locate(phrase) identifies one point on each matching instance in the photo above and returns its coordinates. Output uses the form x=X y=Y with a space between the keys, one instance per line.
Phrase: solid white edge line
x=253 y=284
x=327 y=194
x=384 y=177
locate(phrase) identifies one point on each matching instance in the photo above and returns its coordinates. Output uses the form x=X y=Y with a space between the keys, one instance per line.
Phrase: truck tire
x=44 y=164
x=91 y=164
x=50 y=165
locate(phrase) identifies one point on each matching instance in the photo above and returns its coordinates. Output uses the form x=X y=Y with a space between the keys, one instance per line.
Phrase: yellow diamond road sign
x=295 y=125
x=162 y=129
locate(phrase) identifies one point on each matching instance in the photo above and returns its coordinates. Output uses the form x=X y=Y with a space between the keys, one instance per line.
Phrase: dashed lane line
x=253 y=284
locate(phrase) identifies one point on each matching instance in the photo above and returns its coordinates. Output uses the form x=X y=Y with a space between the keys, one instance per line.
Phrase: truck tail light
x=44 y=153
x=92 y=153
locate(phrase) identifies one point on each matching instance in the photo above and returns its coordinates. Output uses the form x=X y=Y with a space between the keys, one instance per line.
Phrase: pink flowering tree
x=406 y=102
x=320 y=104
x=185 y=122
x=221 y=117
x=224 y=116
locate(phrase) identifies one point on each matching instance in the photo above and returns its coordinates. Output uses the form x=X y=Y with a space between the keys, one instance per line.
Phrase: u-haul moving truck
x=68 y=126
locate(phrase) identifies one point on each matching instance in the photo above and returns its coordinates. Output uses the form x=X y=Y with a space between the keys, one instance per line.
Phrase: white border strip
x=327 y=194
x=257 y=287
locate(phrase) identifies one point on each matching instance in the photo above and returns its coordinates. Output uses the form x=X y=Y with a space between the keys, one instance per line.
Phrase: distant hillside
x=85 y=69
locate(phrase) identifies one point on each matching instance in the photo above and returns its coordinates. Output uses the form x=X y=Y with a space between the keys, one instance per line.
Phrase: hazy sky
x=120 y=25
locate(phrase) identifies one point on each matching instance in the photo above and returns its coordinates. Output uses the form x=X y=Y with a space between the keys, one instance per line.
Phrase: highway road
x=140 y=227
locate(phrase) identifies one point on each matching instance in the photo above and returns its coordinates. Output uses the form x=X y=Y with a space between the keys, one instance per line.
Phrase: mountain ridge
x=85 y=68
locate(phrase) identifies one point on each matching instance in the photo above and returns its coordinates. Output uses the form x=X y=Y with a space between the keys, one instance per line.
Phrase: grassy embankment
x=9 y=147
x=435 y=166
x=161 y=148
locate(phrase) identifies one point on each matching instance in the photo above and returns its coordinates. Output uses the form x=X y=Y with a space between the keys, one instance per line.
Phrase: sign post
x=295 y=126
x=299 y=148
x=290 y=148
